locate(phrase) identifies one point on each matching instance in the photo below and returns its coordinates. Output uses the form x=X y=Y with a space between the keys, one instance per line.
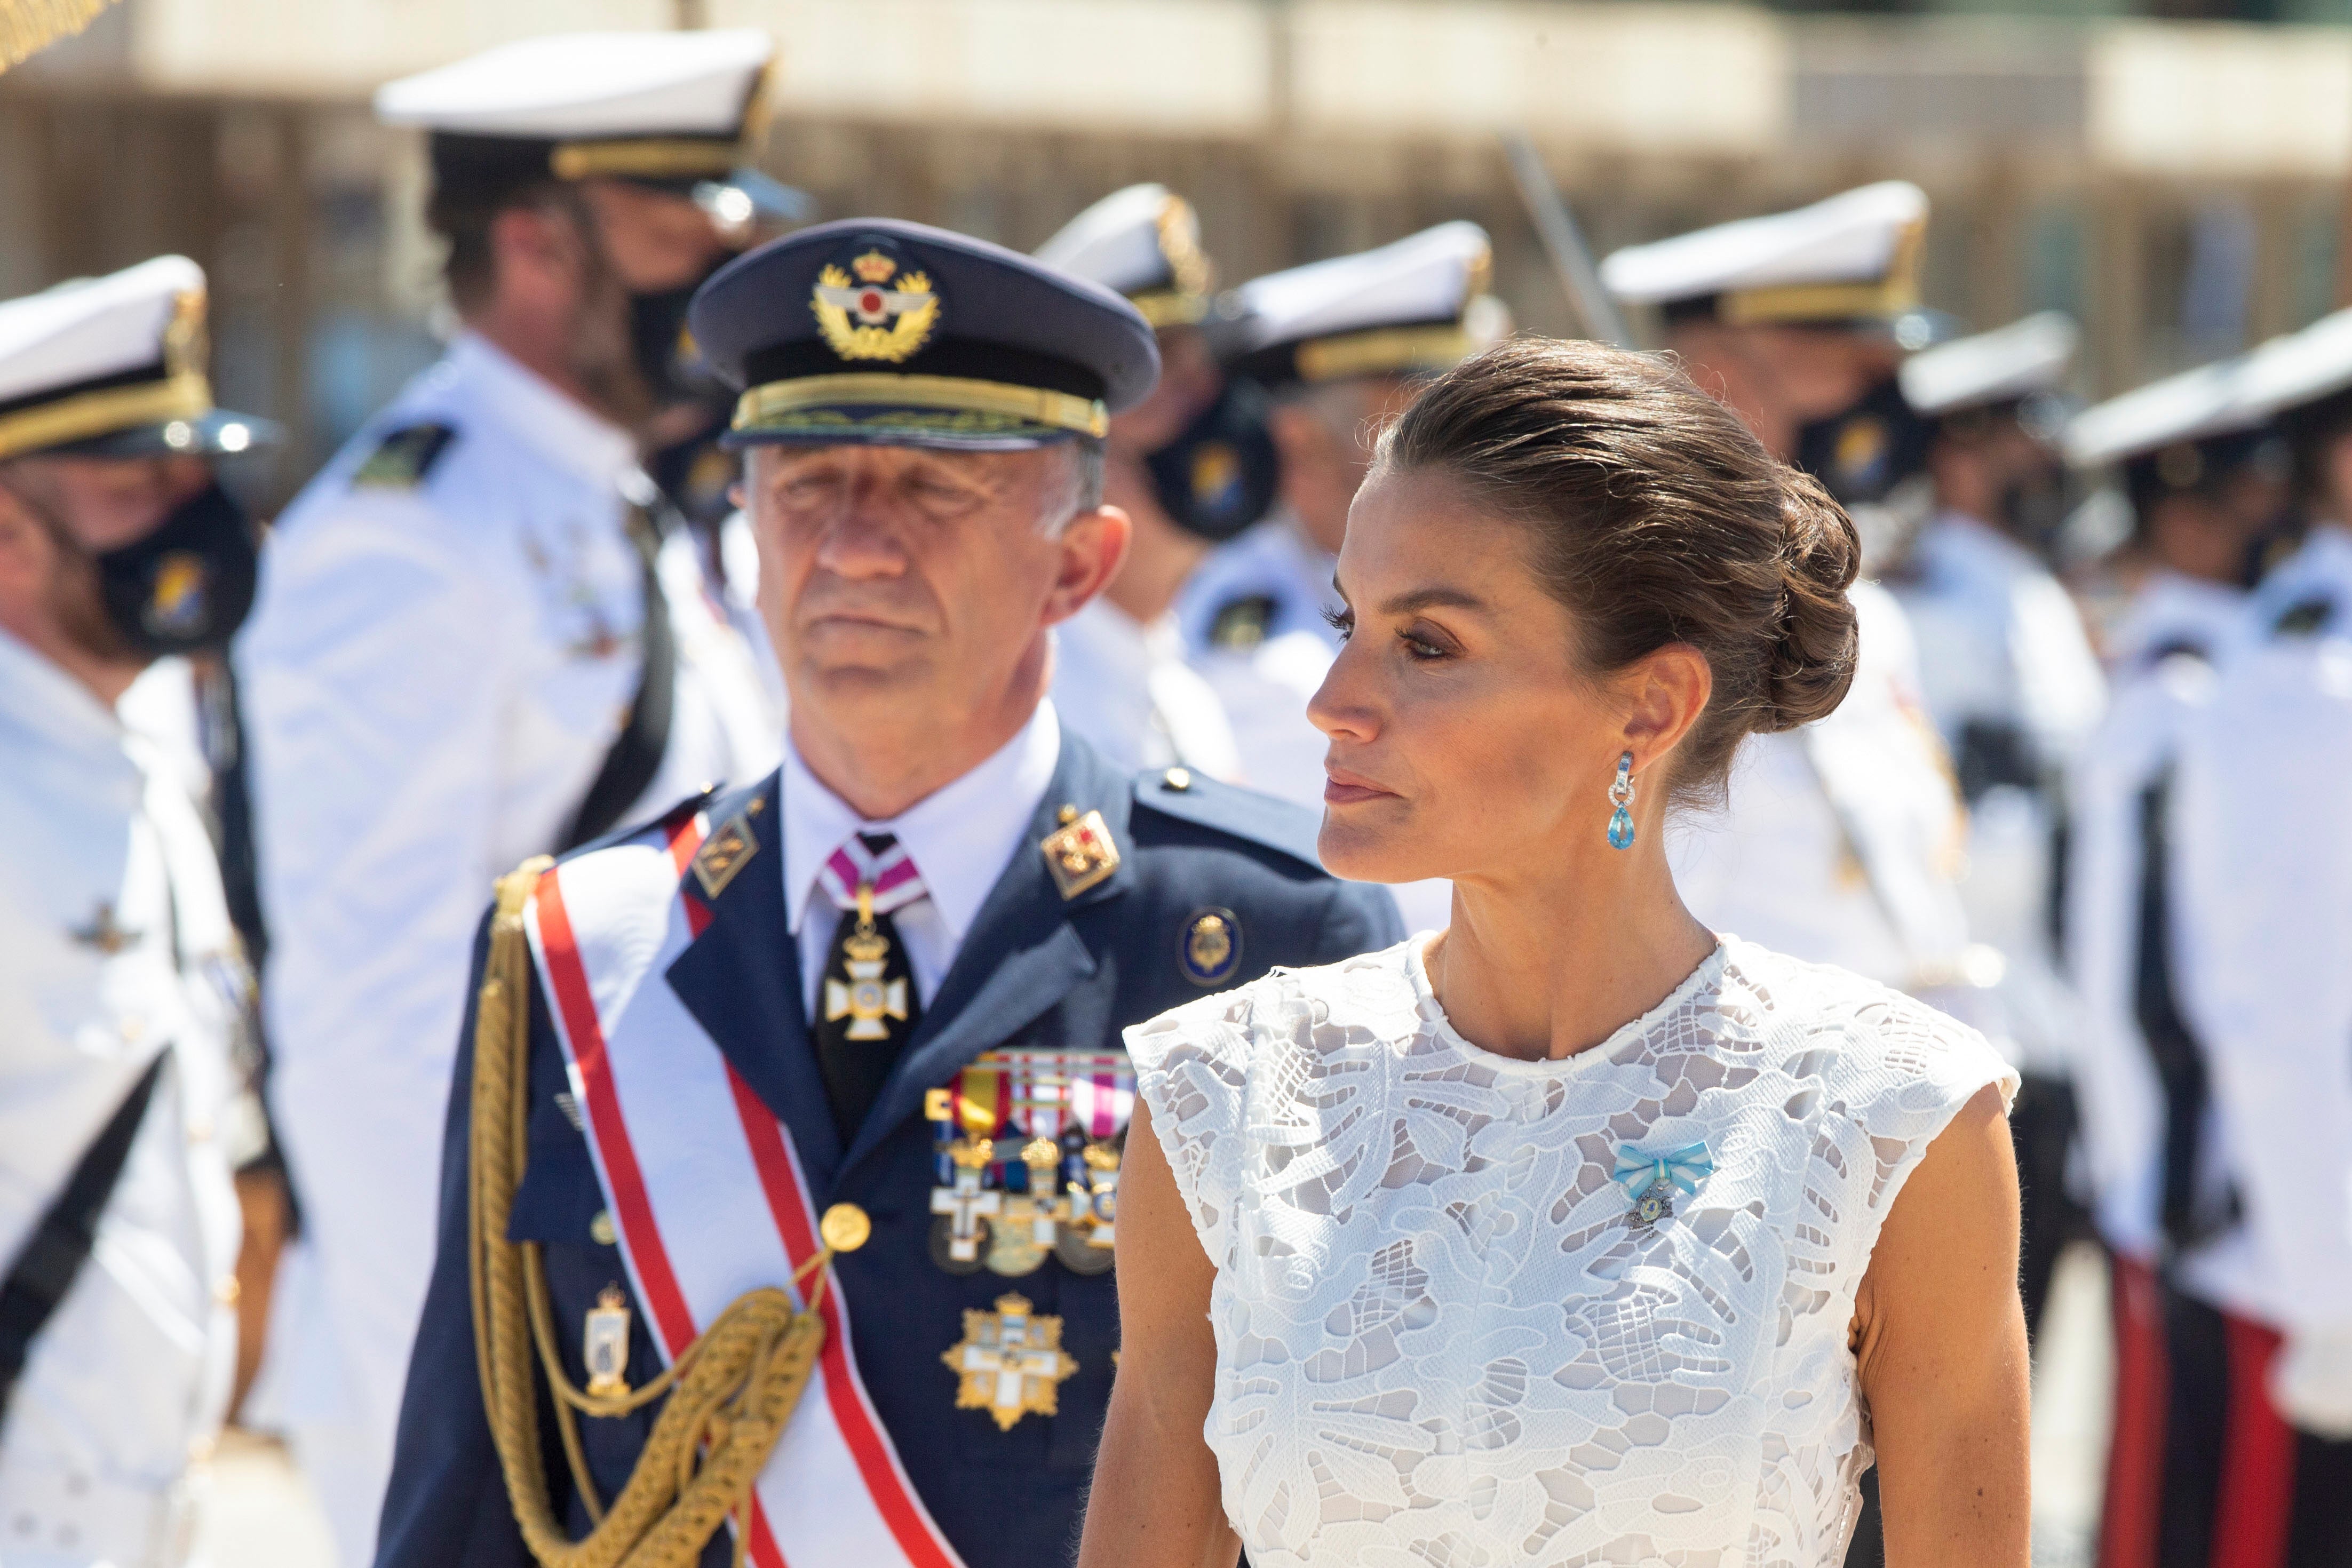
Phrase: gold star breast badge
x=1011 y=1361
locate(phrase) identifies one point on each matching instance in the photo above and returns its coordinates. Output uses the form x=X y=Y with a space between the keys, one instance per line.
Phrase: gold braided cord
x=28 y=26
x=731 y=1392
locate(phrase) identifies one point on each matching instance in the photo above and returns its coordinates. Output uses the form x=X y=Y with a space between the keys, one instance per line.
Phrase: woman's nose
x=1340 y=707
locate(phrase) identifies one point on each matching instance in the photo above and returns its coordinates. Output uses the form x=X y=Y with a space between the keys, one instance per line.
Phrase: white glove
x=2311 y=1380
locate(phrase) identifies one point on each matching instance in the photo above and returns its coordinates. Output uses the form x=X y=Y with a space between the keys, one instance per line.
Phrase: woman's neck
x=1552 y=965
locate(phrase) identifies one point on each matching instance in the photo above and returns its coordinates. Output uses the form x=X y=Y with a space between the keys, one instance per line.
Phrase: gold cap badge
x=870 y=309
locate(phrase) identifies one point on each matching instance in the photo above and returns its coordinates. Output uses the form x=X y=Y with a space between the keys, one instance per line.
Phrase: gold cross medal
x=604 y=1347
x=867 y=1000
x=1011 y=1361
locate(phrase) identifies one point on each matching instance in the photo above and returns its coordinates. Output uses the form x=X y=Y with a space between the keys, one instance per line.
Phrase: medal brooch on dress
x=1651 y=1180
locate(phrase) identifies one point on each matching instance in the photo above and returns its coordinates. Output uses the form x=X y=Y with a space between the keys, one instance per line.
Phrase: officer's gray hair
x=1080 y=489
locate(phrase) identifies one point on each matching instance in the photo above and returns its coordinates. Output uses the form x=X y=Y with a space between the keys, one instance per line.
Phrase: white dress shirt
x=433 y=675
x=114 y=945
x=960 y=837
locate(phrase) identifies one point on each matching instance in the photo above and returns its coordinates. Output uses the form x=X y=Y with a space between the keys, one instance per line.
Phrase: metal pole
x=1570 y=257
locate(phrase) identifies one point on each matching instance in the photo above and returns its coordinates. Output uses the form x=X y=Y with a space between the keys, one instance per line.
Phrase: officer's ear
x=1092 y=544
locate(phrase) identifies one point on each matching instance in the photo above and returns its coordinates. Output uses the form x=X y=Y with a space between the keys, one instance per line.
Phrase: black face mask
x=1220 y=475
x=185 y=588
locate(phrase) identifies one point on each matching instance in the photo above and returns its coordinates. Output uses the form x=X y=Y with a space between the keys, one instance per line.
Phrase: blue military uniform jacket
x=1036 y=971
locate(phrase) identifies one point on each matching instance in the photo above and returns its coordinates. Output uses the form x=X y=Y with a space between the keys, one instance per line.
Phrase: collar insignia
x=1080 y=853
x=869 y=307
x=724 y=853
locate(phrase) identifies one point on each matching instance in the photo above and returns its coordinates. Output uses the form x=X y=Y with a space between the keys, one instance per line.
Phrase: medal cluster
x=1027 y=1146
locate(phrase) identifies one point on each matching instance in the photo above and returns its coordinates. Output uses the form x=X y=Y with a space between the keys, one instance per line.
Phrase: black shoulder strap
x=637 y=755
x=45 y=1271
x=2174 y=1051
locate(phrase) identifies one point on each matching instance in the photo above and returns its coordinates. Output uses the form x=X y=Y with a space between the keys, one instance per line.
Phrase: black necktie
x=867 y=1006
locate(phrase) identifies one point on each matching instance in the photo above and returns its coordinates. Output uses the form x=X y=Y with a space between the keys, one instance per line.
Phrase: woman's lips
x=1341 y=787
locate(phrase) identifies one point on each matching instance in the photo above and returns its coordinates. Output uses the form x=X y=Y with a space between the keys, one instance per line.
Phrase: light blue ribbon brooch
x=1650 y=1180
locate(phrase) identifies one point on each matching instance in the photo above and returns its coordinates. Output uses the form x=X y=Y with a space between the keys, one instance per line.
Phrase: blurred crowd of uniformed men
x=2087 y=792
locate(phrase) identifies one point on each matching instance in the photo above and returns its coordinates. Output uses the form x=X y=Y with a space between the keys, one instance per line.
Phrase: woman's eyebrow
x=1433 y=598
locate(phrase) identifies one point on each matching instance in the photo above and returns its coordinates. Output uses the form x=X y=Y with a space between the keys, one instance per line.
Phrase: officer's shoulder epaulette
x=2305 y=618
x=1241 y=624
x=1229 y=809
x=403 y=458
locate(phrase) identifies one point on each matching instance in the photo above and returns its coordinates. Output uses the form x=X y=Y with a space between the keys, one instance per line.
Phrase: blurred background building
x=2176 y=179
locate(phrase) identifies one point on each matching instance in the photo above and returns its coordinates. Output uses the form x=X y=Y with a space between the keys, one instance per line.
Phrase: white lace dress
x=1442 y=1340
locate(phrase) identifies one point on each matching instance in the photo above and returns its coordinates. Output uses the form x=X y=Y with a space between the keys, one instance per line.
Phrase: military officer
x=2263 y=868
x=911 y=1130
x=2163 y=1192
x=1190 y=465
x=122 y=983
x=1840 y=841
x=479 y=635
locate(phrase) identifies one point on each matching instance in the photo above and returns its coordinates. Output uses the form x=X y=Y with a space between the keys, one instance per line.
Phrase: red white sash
x=707 y=1194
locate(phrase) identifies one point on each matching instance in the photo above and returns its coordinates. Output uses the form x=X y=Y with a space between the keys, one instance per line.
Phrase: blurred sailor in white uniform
x=1341 y=347
x=1191 y=466
x=2263 y=846
x=2015 y=690
x=480 y=636
x=2163 y=1194
x=122 y=982
x=1840 y=841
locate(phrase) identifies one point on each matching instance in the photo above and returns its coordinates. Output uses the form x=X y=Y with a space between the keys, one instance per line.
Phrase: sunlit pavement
x=261 y=1515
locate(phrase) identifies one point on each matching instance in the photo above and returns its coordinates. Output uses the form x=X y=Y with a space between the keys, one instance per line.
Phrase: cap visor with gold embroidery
x=114 y=367
x=879 y=332
x=1143 y=242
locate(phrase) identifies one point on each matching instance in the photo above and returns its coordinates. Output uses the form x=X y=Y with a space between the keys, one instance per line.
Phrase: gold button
x=600 y=1230
x=1178 y=779
x=226 y=1291
x=844 y=1228
x=1067 y=815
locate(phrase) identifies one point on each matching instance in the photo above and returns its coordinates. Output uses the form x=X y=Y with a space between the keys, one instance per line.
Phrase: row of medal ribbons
x=1027 y=1146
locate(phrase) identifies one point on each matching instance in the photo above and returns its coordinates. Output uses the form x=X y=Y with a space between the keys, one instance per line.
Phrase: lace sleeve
x=1191 y=1068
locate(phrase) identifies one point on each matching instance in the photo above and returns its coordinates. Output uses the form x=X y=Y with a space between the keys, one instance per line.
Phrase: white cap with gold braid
x=1854 y=256
x=115 y=366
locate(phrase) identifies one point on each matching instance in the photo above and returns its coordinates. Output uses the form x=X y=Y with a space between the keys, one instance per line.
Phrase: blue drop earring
x=1621 y=824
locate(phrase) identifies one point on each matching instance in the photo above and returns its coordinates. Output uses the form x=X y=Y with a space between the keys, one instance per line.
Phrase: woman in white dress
x=1574 y=1233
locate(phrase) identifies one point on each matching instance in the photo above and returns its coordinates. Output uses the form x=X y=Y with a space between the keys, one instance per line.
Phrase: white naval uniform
x=2164 y=648
x=432 y=675
x=1126 y=688
x=2002 y=644
x=1274 y=560
x=129 y=1381
x=1841 y=840
x=2264 y=847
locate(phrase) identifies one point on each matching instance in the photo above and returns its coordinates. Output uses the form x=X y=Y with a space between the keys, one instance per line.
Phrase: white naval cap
x=1854 y=256
x=1415 y=305
x=2193 y=407
x=677 y=110
x=2025 y=359
x=114 y=366
x=2291 y=372
x=1143 y=242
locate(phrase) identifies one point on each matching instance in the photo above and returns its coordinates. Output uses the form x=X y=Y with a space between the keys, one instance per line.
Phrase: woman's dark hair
x=1656 y=519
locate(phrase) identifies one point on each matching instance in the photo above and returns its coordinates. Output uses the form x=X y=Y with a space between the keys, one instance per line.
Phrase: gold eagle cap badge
x=1080 y=853
x=870 y=307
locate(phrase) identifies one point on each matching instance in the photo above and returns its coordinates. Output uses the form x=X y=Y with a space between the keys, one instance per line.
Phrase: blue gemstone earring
x=1621 y=825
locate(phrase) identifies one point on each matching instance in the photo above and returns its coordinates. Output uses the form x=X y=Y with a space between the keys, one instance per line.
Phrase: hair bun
x=1816 y=642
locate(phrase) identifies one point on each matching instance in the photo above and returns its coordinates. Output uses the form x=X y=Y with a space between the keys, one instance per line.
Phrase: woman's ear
x=1668 y=689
